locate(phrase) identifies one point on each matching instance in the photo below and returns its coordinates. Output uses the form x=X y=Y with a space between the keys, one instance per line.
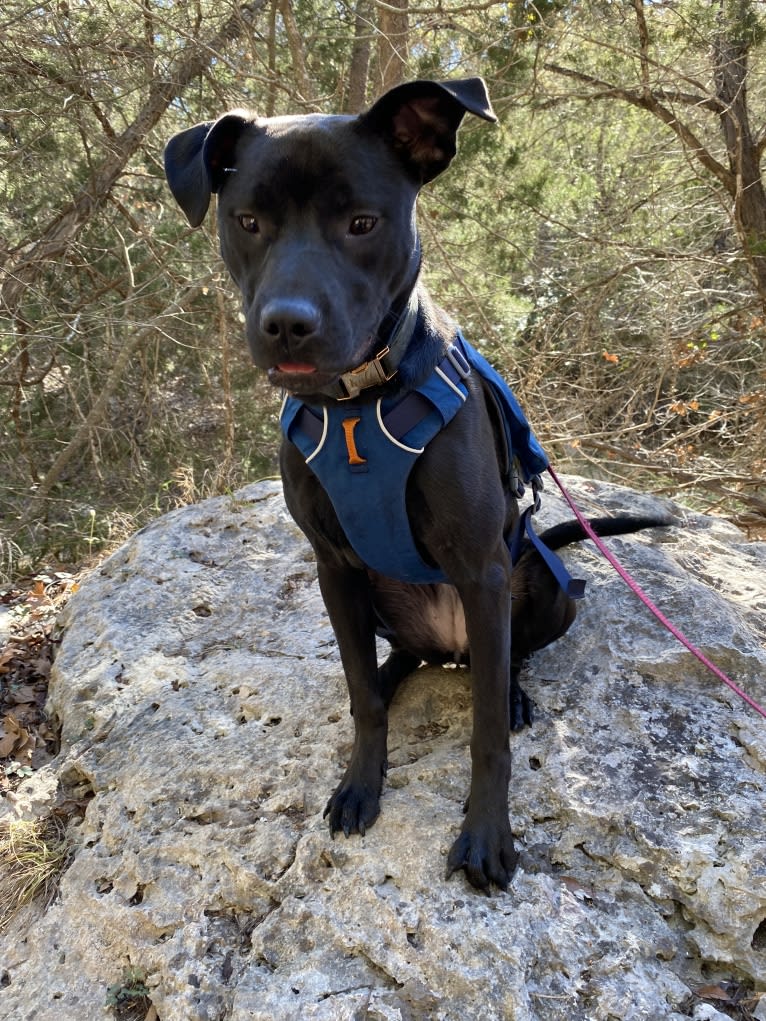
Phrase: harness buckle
x=369 y=374
x=458 y=361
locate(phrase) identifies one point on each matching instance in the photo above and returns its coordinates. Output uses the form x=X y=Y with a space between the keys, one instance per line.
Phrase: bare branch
x=99 y=408
x=643 y=37
x=53 y=241
x=651 y=101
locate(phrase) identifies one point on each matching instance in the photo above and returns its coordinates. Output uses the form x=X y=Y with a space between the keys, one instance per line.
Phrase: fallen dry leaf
x=580 y=890
x=42 y=666
x=15 y=740
x=24 y=693
x=713 y=993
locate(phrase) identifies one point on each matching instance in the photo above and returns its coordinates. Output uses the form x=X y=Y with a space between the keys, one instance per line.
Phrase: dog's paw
x=486 y=854
x=520 y=708
x=352 y=808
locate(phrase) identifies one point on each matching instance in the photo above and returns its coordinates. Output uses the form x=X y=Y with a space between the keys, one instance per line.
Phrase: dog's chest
x=445 y=620
x=426 y=619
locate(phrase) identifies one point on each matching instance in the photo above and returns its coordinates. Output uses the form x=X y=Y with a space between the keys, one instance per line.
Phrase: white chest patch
x=447 y=622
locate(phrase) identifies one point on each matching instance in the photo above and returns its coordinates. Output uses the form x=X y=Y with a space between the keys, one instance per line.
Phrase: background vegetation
x=606 y=243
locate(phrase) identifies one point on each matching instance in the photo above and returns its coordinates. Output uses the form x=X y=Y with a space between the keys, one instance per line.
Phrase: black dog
x=316 y=218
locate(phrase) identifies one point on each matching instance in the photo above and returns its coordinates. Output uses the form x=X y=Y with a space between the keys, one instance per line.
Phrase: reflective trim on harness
x=390 y=436
x=440 y=372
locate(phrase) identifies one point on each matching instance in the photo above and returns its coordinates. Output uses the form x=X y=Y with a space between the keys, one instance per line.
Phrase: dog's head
x=316 y=218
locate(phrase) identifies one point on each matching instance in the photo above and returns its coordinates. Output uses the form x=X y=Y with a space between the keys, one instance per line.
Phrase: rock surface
x=204 y=719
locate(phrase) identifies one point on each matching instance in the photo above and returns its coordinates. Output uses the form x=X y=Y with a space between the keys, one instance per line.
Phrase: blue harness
x=363 y=453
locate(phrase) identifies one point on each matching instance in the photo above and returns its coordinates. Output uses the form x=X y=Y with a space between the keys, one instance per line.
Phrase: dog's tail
x=572 y=531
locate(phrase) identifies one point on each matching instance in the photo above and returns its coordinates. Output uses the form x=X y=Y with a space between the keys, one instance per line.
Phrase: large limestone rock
x=204 y=716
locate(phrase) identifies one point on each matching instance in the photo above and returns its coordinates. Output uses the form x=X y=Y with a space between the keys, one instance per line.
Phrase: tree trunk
x=295 y=43
x=271 y=95
x=393 y=43
x=749 y=211
x=356 y=95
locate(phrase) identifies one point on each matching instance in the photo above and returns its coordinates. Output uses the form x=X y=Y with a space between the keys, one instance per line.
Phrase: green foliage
x=580 y=229
x=130 y=996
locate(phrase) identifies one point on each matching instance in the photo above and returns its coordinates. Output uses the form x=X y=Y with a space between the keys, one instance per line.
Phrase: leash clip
x=537 y=488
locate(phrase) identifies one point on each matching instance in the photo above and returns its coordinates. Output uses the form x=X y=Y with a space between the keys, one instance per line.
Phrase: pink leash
x=637 y=590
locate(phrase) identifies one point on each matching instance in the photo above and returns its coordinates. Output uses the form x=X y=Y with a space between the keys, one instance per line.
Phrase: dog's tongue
x=296 y=367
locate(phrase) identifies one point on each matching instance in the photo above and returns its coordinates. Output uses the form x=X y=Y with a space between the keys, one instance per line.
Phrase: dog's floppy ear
x=196 y=161
x=421 y=119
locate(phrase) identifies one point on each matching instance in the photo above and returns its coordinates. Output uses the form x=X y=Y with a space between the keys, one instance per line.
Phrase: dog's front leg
x=355 y=804
x=485 y=846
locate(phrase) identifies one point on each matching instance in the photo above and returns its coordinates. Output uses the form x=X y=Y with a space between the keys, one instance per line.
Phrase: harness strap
x=407 y=413
x=572 y=587
x=310 y=423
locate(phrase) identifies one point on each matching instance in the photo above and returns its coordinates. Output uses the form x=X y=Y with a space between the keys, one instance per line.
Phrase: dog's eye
x=249 y=223
x=362 y=225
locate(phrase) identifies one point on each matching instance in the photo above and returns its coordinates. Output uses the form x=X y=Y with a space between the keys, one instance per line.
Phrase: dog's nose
x=293 y=320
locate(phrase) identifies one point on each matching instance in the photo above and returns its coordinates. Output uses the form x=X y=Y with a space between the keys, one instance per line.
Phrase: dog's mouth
x=299 y=377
